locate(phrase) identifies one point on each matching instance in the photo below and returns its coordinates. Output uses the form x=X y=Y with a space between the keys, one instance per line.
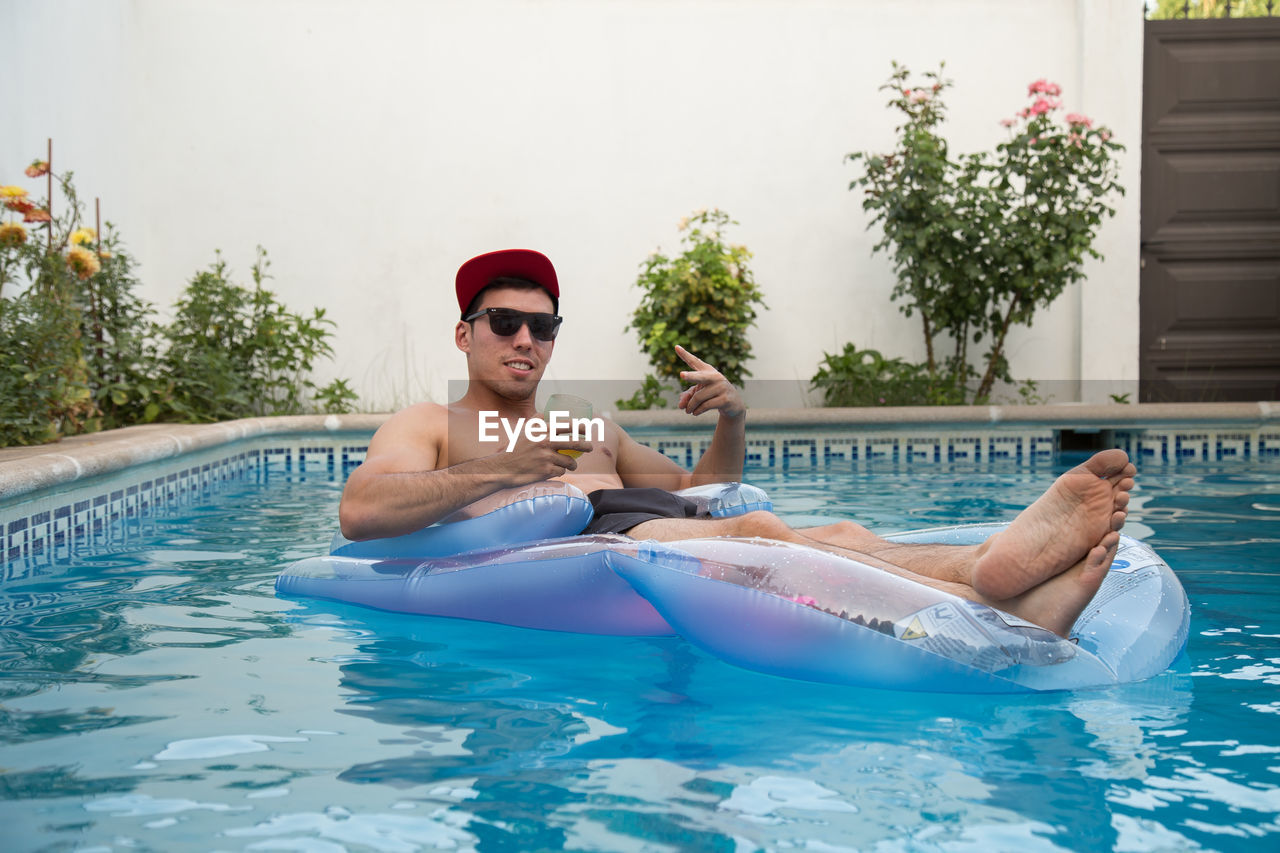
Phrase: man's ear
x=462 y=336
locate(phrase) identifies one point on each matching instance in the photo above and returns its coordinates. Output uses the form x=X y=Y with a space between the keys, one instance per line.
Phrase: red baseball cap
x=480 y=271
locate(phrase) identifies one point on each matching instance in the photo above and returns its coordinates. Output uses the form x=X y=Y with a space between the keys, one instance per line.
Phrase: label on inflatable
x=1122 y=582
x=981 y=637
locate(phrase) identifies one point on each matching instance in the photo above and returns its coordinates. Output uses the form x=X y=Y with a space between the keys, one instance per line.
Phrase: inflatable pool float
x=804 y=613
x=770 y=606
x=514 y=558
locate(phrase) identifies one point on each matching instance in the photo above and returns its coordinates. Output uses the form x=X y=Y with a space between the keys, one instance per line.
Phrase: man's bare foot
x=1057 y=603
x=1056 y=532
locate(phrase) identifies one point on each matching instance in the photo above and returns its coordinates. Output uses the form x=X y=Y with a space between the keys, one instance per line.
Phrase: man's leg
x=951 y=563
x=1054 y=604
x=1047 y=564
x=1046 y=538
x=766 y=525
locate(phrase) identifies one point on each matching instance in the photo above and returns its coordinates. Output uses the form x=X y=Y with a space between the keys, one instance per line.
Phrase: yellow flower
x=83 y=236
x=83 y=262
x=12 y=234
x=12 y=192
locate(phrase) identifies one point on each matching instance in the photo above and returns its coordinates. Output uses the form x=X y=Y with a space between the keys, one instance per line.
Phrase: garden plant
x=1161 y=9
x=979 y=242
x=81 y=351
x=704 y=299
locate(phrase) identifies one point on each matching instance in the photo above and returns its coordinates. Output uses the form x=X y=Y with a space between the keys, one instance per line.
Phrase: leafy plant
x=336 y=398
x=122 y=344
x=857 y=377
x=44 y=391
x=981 y=241
x=44 y=378
x=650 y=395
x=704 y=299
x=238 y=352
x=1209 y=9
x=80 y=350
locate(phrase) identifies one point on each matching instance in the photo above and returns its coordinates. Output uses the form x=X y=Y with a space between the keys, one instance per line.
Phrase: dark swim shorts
x=619 y=510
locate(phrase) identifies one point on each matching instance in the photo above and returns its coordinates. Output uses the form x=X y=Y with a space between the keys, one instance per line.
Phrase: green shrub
x=866 y=378
x=237 y=352
x=704 y=299
x=650 y=395
x=45 y=383
x=121 y=341
x=44 y=391
x=80 y=350
x=1171 y=9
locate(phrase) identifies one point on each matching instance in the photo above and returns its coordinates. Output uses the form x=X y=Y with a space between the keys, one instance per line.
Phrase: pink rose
x=1044 y=105
x=1076 y=118
x=1044 y=87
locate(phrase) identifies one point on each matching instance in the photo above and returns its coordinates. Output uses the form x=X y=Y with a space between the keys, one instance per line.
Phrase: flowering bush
x=45 y=376
x=79 y=350
x=981 y=241
x=703 y=299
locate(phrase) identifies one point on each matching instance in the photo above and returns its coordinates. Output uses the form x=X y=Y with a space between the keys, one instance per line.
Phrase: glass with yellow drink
x=576 y=408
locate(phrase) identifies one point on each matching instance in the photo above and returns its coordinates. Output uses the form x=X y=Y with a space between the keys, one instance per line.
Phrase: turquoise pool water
x=156 y=695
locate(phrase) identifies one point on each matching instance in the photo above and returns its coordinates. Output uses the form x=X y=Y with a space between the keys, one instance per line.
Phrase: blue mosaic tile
x=921 y=449
x=678 y=451
x=839 y=450
x=964 y=448
x=799 y=451
x=761 y=453
x=1269 y=444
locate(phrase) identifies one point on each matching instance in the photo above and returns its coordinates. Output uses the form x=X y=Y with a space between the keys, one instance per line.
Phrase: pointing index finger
x=691 y=359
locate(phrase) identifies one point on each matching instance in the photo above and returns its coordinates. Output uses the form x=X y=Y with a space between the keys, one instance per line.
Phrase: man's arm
x=722 y=463
x=398 y=489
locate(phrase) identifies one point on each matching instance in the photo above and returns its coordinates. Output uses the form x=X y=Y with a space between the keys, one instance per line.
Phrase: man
x=428 y=461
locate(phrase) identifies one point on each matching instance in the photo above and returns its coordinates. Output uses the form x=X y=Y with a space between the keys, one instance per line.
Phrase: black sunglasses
x=505 y=322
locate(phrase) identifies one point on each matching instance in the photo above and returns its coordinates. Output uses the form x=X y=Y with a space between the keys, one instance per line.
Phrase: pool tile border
x=51 y=524
x=786 y=449
x=45 y=522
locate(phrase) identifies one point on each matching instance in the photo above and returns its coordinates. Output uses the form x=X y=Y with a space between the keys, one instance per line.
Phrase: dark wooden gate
x=1210 y=285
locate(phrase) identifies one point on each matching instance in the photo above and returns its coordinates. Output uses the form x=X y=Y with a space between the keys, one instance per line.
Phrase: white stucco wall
x=373 y=146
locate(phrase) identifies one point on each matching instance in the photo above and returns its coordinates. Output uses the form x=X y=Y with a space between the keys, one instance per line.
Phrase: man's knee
x=849 y=528
x=761 y=523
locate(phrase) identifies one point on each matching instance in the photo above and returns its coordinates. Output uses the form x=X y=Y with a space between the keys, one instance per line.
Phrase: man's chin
x=515 y=390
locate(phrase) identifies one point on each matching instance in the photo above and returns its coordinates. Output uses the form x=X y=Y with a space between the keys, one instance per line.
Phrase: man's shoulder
x=613 y=427
x=417 y=419
x=423 y=411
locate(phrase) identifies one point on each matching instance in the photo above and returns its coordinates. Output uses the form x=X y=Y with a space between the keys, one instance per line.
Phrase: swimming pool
x=155 y=694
